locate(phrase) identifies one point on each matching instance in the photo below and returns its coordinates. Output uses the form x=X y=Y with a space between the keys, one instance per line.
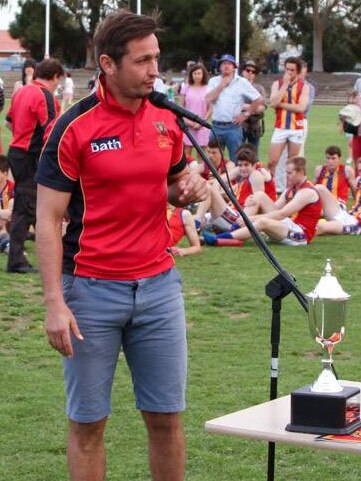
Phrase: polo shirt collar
x=109 y=101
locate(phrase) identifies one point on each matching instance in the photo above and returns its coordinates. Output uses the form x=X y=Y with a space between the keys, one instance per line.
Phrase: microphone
x=161 y=101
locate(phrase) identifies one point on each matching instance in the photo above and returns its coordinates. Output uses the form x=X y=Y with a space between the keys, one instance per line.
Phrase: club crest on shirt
x=163 y=139
x=105 y=143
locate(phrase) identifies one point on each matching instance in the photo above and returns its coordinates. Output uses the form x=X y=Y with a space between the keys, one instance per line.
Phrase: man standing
x=280 y=173
x=112 y=149
x=32 y=109
x=253 y=127
x=228 y=94
x=290 y=98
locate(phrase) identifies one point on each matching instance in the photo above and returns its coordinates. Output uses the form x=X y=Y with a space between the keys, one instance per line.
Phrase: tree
x=29 y=28
x=296 y=17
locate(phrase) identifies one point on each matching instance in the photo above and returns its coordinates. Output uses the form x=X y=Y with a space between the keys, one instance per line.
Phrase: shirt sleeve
x=58 y=166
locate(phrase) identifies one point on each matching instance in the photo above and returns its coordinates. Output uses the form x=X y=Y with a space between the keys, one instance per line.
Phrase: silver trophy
x=327 y=316
x=326 y=407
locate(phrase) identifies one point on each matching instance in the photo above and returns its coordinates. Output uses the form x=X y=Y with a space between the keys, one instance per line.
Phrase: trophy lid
x=328 y=287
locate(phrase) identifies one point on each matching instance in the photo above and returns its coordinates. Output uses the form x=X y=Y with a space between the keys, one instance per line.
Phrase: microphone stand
x=278 y=288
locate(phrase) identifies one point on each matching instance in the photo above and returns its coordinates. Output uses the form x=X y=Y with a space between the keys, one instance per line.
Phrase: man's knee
x=87 y=435
x=162 y=424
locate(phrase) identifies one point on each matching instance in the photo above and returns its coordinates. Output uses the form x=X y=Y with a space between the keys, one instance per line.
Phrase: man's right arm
x=59 y=321
x=277 y=93
x=214 y=93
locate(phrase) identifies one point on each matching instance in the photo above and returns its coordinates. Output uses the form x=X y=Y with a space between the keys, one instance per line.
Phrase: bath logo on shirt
x=105 y=143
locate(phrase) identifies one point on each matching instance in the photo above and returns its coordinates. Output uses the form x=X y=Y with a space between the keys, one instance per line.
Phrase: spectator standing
x=213 y=64
x=159 y=85
x=111 y=149
x=280 y=173
x=357 y=86
x=289 y=97
x=68 y=92
x=253 y=127
x=27 y=74
x=193 y=98
x=228 y=93
x=32 y=109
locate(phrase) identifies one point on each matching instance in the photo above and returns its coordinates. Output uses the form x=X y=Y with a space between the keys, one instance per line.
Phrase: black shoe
x=23 y=270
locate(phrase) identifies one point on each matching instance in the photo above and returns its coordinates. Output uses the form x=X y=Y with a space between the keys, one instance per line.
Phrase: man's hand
x=59 y=323
x=192 y=188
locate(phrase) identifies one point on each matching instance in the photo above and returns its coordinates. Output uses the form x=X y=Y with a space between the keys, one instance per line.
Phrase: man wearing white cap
x=233 y=100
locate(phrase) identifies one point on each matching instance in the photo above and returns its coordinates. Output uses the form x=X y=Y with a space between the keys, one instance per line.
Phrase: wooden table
x=267 y=422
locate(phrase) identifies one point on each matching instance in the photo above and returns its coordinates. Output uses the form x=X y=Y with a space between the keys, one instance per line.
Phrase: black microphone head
x=158 y=99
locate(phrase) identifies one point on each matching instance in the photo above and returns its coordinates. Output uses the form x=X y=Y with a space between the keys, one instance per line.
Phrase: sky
x=7 y=14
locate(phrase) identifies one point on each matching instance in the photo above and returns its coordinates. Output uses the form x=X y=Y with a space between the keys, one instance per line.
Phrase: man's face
x=227 y=68
x=293 y=176
x=332 y=161
x=245 y=168
x=214 y=155
x=134 y=76
x=249 y=73
x=291 y=70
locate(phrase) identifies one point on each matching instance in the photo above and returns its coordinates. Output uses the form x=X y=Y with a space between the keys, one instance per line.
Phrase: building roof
x=9 y=45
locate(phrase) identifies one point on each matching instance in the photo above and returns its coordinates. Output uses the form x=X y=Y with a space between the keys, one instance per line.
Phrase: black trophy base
x=325 y=413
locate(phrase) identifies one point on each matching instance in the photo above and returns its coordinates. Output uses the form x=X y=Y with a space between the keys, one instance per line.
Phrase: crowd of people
x=108 y=185
x=235 y=104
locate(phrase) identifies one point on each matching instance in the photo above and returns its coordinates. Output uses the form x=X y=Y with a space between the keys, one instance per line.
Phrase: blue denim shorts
x=146 y=320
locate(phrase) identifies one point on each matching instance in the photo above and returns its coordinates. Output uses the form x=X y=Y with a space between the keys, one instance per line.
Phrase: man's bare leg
x=293 y=149
x=86 y=453
x=274 y=228
x=166 y=445
x=274 y=154
x=330 y=205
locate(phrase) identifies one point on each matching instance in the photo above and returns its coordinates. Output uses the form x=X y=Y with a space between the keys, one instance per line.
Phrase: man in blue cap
x=233 y=100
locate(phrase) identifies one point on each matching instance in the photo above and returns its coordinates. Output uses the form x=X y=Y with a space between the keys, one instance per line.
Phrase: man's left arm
x=350 y=176
x=300 y=200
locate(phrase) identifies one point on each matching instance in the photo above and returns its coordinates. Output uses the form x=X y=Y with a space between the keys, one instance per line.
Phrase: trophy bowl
x=327 y=305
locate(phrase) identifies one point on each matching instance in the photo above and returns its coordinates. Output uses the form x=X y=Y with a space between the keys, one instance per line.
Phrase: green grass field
x=229 y=318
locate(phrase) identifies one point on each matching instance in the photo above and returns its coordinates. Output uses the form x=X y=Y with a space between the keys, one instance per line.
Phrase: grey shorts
x=145 y=319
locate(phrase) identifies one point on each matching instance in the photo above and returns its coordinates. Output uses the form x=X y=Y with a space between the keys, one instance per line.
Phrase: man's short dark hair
x=333 y=150
x=117 y=29
x=49 y=68
x=300 y=163
x=247 y=154
x=295 y=60
x=214 y=144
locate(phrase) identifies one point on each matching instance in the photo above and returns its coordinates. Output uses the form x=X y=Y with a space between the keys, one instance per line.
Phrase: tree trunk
x=90 y=57
x=317 y=38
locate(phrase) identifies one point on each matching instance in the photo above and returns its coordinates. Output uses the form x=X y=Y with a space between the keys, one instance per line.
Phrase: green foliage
x=337 y=20
x=66 y=40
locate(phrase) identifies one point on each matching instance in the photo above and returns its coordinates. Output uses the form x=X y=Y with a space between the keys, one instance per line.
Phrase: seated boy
x=6 y=203
x=181 y=223
x=337 y=177
x=253 y=178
